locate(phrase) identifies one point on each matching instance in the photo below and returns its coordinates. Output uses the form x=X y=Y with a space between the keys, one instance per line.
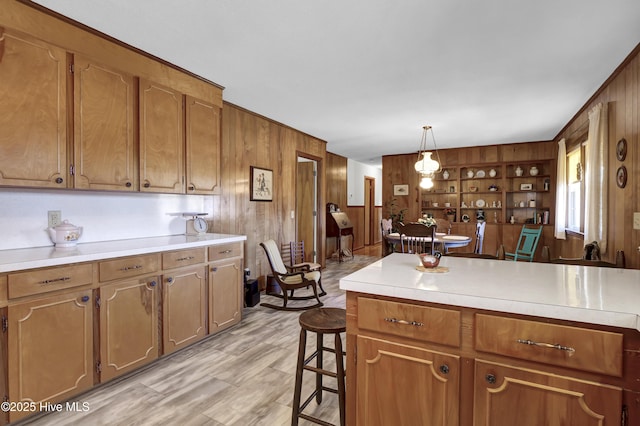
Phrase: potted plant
x=396 y=216
x=450 y=214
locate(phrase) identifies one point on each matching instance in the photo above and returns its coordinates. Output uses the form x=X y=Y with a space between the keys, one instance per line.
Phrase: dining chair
x=417 y=238
x=527 y=244
x=619 y=263
x=290 y=280
x=298 y=258
x=479 y=236
x=443 y=225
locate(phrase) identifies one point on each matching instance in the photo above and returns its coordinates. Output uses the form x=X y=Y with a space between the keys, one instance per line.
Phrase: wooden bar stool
x=320 y=321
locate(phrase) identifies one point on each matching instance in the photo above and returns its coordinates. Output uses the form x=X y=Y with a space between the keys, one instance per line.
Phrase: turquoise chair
x=527 y=244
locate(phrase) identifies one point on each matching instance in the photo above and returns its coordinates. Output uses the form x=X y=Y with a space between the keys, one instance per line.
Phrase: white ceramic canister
x=493 y=173
x=533 y=171
x=518 y=171
x=445 y=174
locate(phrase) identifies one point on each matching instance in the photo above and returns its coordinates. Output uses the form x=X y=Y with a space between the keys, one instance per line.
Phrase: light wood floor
x=243 y=376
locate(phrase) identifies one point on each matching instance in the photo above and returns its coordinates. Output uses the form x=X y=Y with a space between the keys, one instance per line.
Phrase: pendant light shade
x=426 y=165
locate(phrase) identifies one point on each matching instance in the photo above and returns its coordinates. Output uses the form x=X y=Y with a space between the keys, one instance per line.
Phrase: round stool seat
x=324 y=320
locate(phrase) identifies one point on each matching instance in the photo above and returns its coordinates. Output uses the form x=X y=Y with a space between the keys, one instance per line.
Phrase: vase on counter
x=519 y=171
x=533 y=171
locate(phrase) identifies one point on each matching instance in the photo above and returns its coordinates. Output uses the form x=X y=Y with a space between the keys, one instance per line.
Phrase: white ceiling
x=366 y=75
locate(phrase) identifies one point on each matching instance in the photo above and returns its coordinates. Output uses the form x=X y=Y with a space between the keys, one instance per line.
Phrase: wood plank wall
x=622 y=94
x=249 y=139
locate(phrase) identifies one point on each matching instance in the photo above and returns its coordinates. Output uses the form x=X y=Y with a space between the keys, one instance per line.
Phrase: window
x=575 y=188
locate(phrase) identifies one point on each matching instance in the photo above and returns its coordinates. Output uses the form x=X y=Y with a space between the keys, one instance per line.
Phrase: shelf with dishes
x=496 y=188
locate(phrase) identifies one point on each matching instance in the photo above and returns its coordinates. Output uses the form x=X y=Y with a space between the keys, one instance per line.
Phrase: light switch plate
x=636 y=220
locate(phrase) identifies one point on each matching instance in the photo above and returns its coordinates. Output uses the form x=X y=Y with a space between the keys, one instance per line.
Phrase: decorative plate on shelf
x=621 y=177
x=480 y=174
x=465 y=218
x=480 y=203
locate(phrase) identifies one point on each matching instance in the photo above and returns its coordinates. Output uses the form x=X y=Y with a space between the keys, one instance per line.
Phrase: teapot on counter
x=65 y=234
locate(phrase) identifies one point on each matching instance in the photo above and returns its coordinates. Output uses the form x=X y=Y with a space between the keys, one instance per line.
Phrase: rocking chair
x=290 y=279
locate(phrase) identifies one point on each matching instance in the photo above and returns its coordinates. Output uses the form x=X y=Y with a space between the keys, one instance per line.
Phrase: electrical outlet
x=55 y=218
x=636 y=220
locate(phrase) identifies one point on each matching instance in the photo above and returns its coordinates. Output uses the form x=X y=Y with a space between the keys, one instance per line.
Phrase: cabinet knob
x=169 y=279
x=128 y=184
x=146 y=185
x=214 y=269
x=444 y=369
x=59 y=180
x=152 y=284
x=490 y=378
x=192 y=188
x=85 y=299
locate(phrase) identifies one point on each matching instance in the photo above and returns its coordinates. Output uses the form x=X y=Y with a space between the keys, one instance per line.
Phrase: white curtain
x=561 y=192
x=595 y=215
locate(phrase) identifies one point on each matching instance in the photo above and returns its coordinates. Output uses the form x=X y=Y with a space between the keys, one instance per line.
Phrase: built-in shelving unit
x=518 y=193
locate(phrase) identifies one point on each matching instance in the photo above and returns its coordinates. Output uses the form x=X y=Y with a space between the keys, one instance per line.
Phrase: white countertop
x=604 y=296
x=21 y=259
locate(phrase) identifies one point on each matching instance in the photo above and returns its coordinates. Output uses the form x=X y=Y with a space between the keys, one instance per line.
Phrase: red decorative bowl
x=429 y=260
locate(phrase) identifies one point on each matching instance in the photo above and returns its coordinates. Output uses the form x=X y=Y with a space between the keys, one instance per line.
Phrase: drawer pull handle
x=395 y=320
x=55 y=280
x=184 y=258
x=129 y=268
x=557 y=346
x=225 y=251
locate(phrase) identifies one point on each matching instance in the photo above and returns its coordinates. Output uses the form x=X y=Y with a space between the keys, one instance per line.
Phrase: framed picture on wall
x=261 y=184
x=400 y=189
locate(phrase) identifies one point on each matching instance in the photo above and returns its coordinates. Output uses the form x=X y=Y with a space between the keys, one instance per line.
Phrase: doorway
x=306 y=206
x=370 y=227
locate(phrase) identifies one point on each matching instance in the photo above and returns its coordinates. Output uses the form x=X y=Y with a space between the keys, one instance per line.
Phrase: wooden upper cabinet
x=161 y=139
x=203 y=147
x=104 y=135
x=33 y=116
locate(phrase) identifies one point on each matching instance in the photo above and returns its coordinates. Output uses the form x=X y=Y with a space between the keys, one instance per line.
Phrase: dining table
x=444 y=240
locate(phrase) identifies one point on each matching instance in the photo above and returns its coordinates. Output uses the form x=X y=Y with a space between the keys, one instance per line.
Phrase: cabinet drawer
x=176 y=259
x=50 y=279
x=573 y=347
x=129 y=267
x=225 y=251
x=415 y=322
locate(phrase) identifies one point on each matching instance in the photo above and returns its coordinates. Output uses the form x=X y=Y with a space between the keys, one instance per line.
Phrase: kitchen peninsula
x=80 y=316
x=556 y=344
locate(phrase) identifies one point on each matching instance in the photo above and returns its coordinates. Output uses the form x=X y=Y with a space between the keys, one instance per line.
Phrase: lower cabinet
x=184 y=308
x=50 y=341
x=226 y=297
x=405 y=366
x=406 y=385
x=128 y=325
x=505 y=396
x=73 y=326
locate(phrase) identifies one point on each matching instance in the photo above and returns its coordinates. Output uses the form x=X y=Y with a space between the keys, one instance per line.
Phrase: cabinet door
x=202 y=147
x=104 y=148
x=184 y=308
x=401 y=384
x=33 y=112
x=225 y=294
x=61 y=327
x=161 y=139
x=506 y=396
x=128 y=326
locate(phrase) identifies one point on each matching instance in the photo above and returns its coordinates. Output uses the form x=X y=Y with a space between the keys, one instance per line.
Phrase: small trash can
x=251 y=293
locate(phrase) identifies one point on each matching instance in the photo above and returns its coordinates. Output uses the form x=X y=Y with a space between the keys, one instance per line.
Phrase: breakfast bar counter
x=475 y=339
